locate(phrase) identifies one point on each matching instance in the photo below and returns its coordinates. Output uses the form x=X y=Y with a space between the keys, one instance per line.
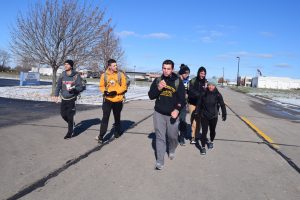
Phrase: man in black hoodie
x=197 y=87
x=169 y=94
x=69 y=85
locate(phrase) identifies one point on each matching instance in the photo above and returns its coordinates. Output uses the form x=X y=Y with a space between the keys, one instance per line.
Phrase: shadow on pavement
x=152 y=137
x=84 y=125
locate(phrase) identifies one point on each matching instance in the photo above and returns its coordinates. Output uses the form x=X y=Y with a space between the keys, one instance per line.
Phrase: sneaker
x=100 y=141
x=193 y=141
x=117 y=135
x=171 y=156
x=158 y=166
x=182 y=143
x=68 y=136
x=210 y=145
x=203 y=151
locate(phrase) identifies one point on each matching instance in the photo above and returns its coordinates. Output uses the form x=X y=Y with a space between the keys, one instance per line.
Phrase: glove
x=110 y=94
x=224 y=117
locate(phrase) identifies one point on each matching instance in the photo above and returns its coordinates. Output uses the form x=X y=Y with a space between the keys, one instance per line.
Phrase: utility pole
x=223 y=78
x=238 y=72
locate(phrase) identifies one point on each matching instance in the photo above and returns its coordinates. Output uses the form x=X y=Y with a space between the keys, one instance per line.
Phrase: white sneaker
x=171 y=156
x=159 y=166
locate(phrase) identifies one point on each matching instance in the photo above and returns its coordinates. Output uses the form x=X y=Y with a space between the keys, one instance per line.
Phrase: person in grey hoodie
x=69 y=85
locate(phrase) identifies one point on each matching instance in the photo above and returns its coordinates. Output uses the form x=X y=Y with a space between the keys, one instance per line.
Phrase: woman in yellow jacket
x=113 y=86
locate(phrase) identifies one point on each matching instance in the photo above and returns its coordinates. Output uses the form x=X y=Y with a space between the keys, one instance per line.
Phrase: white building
x=46 y=70
x=283 y=83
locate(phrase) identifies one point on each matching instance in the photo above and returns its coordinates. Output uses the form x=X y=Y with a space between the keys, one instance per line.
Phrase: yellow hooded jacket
x=112 y=84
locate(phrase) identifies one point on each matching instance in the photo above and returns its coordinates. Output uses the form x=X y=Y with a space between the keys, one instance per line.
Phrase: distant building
x=283 y=83
x=46 y=71
x=246 y=81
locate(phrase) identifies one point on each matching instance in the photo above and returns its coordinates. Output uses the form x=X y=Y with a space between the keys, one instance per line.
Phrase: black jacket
x=208 y=104
x=73 y=80
x=169 y=98
x=197 y=88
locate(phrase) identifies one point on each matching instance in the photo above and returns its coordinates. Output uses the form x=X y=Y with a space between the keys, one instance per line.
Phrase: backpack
x=158 y=79
x=119 y=79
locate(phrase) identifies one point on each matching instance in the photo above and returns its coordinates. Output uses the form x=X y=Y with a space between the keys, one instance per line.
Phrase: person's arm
x=58 y=86
x=223 y=107
x=101 y=83
x=154 y=92
x=180 y=97
x=123 y=86
x=78 y=87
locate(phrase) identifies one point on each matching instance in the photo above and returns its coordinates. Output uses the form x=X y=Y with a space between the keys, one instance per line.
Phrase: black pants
x=107 y=107
x=212 y=129
x=67 y=111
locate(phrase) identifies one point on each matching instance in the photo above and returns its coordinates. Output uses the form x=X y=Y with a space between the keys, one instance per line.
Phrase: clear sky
x=265 y=34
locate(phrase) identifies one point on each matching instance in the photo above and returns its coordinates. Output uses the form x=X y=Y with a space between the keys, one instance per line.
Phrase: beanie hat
x=183 y=69
x=212 y=82
x=70 y=62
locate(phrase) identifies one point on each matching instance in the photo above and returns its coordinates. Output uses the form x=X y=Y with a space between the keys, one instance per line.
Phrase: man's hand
x=55 y=99
x=224 y=117
x=174 y=113
x=161 y=85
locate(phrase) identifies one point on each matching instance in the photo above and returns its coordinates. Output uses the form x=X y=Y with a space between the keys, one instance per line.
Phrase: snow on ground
x=91 y=95
x=283 y=97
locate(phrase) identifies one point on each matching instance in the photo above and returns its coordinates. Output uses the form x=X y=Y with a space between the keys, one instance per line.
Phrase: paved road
x=36 y=163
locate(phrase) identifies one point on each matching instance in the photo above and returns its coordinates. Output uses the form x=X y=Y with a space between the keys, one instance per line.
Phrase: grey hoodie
x=72 y=81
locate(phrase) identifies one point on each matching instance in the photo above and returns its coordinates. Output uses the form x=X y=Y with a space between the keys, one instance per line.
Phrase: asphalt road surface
x=37 y=163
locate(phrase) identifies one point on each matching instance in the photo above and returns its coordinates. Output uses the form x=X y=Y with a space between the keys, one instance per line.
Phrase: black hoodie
x=197 y=88
x=208 y=104
x=169 y=98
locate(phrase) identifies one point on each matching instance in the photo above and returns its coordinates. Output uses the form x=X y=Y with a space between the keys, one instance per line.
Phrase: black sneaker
x=117 y=135
x=210 y=145
x=203 y=151
x=68 y=136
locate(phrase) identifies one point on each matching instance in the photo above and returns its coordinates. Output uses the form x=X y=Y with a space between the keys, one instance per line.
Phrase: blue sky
x=265 y=34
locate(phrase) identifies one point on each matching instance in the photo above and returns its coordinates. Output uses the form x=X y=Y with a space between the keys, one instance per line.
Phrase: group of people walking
x=174 y=93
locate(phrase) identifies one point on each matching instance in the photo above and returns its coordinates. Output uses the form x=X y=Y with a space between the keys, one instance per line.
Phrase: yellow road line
x=261 y=133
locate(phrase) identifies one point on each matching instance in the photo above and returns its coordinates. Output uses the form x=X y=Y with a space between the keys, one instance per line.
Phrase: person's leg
x=106 y=108
x=204 y=123
x=212 y=128
x=63 y=110
x=117 y=108
x=193 y=122
x=172 y=131
x=160 y=127
x=182 y=126
x=70 y=115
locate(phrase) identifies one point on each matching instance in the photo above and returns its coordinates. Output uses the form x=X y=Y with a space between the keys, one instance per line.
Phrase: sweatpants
x=195 y=122
x=116 y=107
x=163 y=127
x=67 y=111
x=212 y=129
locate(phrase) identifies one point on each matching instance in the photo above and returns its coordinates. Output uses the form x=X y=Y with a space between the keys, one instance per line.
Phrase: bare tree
x=54 y=31
x=4 y=58
x=110 y=47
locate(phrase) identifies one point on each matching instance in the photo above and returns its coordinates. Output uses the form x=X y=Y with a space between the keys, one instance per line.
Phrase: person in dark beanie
x=208 y=109
x=197 y=88
x=184 y=73
x=69 y=85
x=168 y=92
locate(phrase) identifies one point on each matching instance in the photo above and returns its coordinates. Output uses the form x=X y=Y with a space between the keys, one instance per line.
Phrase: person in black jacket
x=169 y=94
x=197 y=87
x=208 y=109
x=69 y=85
